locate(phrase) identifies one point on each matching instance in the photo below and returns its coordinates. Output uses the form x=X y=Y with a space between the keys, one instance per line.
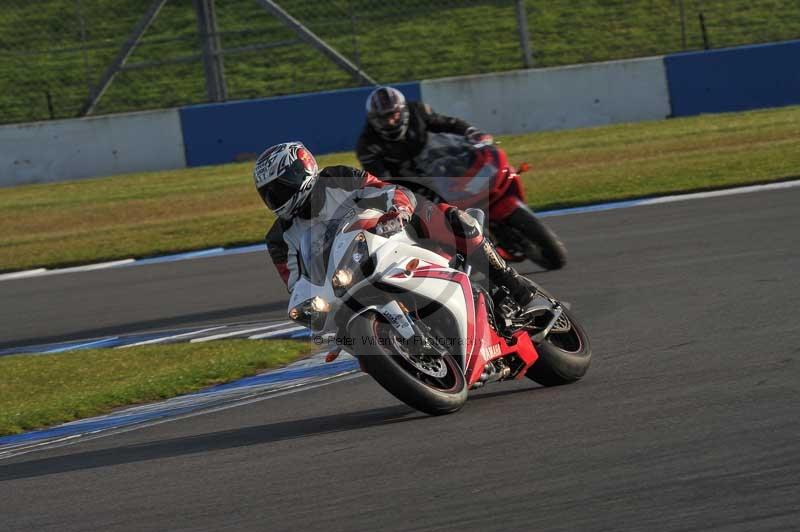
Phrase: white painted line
x=236 y=333
x=87 y=267
x=40 y=272
x=626 y=204
x=172 y=337
x=92 y=267
x=276 y=333
x=720 y=193
x=81 y=346
x=9 y=452
x=22 y=274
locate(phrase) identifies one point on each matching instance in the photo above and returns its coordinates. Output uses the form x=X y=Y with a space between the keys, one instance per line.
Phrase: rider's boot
x=501 y=274
x=486 y=258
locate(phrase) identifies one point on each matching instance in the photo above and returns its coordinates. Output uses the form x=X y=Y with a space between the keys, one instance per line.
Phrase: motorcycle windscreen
x=455 y=169
x=315 y=250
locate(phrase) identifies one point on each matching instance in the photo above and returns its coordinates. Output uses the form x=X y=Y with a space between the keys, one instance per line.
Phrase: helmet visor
x=386 y=120
x=279 y=191
x=392 y=123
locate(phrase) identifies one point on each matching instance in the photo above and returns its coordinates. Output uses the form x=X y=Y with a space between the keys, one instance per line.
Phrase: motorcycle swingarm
x=544 y=304
x=540 y=307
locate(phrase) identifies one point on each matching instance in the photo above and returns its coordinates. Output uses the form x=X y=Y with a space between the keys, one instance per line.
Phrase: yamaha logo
x=489 y=352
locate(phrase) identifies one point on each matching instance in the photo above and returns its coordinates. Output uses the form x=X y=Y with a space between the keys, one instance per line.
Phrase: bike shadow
x=528 y=387
x=213 y=441
x=230 y=439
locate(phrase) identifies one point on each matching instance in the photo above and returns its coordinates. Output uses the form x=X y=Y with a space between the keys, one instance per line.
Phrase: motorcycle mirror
x=523 y=167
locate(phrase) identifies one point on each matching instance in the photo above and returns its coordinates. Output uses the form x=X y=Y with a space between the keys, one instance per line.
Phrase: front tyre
x=564 y=354
x=431 y=384
x=538 y=242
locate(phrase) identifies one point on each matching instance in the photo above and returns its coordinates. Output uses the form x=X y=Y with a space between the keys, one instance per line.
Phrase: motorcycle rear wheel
x=564 y=357
x=385 y=363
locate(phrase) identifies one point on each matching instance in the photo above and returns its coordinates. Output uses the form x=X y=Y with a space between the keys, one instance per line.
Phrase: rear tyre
x=538 y=242
x=409 y=379
x=564 y=354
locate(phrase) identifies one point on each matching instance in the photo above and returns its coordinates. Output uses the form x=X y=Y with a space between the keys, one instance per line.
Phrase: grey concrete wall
x=555 y=98
x=60 y=150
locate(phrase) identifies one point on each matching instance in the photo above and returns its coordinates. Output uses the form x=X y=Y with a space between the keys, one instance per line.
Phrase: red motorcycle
x=467 y=175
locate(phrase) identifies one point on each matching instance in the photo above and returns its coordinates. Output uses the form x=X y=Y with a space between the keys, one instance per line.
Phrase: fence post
x=354 y=31
x=87 y=71
x=682 y=8
x=704 y=31
x=50 y=104
x=121 y=57
x=524 y=36
x=216 y=88
x=313 y=39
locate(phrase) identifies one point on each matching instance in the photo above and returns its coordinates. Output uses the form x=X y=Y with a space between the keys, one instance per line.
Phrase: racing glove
x=476 y=136
x=393 y=221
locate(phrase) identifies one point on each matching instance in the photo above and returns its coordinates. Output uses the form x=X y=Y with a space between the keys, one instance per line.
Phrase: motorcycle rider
x=290 y=183
x=396 y=132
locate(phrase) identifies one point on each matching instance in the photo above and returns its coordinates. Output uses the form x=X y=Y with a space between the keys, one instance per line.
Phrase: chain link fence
x=57 y=55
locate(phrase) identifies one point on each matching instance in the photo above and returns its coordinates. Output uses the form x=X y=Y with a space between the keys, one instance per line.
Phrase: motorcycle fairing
x=490 y=346
x=452 y=289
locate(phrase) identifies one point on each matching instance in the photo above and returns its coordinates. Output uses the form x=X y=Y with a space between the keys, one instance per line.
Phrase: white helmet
x=284 y=176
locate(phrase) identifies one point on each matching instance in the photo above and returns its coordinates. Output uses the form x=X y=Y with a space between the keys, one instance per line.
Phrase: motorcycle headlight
x=311 y=313
x=356 y=265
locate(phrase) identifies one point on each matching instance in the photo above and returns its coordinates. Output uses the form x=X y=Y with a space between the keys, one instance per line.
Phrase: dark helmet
x=387 y=112
x=284 y=176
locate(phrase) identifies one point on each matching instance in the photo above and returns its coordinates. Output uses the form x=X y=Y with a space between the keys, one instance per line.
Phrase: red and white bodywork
x=401 y=277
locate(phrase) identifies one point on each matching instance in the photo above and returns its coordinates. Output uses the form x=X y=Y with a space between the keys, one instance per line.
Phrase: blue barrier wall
x=735 y=79
x=325 y=122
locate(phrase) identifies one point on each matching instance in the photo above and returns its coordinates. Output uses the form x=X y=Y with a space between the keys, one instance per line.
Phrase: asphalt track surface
x=689 y=418
x=83 y=305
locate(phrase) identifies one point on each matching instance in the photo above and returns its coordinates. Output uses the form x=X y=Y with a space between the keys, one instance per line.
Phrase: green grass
x=653 y=158
x=41 y=48
x=42 y=390
x=140 y=215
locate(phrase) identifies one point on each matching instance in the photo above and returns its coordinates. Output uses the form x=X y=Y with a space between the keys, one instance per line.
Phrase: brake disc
x=432 y=365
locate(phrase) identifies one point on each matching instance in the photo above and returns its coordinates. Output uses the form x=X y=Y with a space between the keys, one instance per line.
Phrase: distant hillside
x=52 y=50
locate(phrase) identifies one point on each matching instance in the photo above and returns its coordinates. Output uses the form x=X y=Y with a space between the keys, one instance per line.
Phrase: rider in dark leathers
x=396 y=132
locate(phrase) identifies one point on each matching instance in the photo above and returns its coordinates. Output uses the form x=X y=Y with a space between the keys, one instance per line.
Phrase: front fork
x=398 y=317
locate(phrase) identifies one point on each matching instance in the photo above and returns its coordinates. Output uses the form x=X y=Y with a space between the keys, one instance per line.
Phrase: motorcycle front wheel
x=432 y=384
x=524 y=230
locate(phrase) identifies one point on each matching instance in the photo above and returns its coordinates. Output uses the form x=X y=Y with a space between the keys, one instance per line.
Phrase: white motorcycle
x=419 y=323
